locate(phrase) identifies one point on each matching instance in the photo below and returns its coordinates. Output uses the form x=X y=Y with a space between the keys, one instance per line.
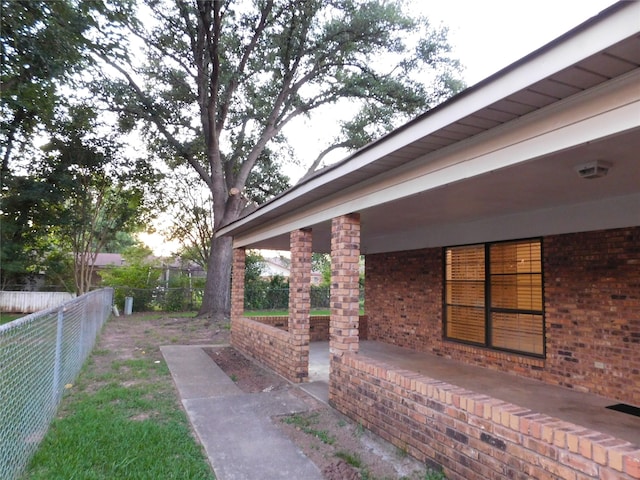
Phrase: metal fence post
x=84 y=319
x=57 y=365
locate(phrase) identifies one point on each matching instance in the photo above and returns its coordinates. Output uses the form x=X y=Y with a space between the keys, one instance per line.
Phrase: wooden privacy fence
x=29 y=302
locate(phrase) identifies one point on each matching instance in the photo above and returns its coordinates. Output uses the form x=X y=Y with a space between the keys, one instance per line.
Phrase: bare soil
x=140 y=335
x=341 y=449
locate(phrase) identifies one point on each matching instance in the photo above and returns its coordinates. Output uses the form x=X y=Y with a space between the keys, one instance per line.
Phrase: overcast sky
x=488 y=35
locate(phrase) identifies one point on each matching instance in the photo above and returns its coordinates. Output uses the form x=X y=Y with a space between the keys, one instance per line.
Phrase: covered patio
x=501 y=238
x=585 y=410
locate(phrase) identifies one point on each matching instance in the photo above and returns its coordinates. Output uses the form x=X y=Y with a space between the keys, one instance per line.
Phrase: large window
x=493 y=296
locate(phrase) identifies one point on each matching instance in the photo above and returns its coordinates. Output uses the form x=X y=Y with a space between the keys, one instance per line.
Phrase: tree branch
x=148 y=104
x=242 y=65
x=324 y=153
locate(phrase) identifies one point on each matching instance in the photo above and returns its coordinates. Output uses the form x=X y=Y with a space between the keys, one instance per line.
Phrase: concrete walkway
x=234 y=427
x=318 y=384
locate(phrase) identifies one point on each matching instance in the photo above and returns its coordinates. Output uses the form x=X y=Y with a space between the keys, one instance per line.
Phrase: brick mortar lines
x=478 y=421
x=592 y=300
x=269 y=345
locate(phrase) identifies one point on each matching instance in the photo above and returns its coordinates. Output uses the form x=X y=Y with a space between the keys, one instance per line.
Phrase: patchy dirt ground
x=129 y=337
x=341 y=449
x=140 y=335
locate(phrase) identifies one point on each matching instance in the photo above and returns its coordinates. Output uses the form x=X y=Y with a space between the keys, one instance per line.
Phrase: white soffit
x=616 y=212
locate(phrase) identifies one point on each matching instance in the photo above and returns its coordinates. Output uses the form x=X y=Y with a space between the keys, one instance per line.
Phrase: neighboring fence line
x=40 y=354
x=27 y=302
x=264 y=297
x=260 y=296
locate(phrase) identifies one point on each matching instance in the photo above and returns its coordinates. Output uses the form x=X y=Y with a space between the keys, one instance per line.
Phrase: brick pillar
x=300 y=302
x=237 y=283
x=345 y=308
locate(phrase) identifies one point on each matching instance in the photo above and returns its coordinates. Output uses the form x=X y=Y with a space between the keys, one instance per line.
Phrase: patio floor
x=583 y=409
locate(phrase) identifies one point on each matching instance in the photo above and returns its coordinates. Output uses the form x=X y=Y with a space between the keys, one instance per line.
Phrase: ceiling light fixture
x=595 y=169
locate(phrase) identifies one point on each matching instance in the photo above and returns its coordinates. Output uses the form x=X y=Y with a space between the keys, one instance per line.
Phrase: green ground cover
x=9 y=317
x=122 y=417
x=280 y=313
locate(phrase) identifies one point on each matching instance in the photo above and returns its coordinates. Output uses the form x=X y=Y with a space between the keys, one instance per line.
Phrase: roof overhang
x=497 y=161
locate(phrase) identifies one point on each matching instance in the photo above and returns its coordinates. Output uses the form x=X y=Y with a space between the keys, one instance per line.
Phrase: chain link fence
x=159 y=299
x=263 y=297
x=40 y=354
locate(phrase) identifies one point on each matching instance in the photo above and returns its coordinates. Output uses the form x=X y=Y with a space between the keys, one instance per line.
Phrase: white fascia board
x=589 y=41
x=605 y=110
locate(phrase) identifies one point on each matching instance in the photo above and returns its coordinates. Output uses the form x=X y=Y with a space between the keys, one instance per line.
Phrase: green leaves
x=80 y=194
x=137 y=278
x=215 y=83
x=42 y=45
x=236 y=76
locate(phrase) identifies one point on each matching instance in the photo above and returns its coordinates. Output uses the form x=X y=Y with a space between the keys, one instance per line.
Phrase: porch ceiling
x=529 y=199
x=496 y=203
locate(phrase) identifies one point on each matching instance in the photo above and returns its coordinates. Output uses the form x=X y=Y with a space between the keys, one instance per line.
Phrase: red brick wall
x=592 y=311
x=345 y=289
x=269 y=345
x=592 y=303
x=473 y=436
x=300 y=302
x=237 y=282
x=403 y=298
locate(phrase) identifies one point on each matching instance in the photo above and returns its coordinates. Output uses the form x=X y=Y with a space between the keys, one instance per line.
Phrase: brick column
x=237 y=283
x=345 y=308
x=300 y=302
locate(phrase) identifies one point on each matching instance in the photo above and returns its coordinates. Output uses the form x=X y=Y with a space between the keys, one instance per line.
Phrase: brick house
x=501 y=236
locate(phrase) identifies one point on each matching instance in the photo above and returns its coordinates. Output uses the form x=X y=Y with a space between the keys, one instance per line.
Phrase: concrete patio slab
x=235 y=428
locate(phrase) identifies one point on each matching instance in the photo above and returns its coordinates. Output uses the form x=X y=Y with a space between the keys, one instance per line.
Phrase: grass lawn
x=122 y=418
x=10 y=317
x=284 y=313
x=279 y=313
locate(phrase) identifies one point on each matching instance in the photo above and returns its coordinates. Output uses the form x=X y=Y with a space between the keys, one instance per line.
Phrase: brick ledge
x=576 y=447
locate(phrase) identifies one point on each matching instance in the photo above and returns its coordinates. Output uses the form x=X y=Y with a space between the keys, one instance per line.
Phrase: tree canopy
x=80 y=194
x=44 y=46
x=213 y=84
x=190 y=208
x=99 y=194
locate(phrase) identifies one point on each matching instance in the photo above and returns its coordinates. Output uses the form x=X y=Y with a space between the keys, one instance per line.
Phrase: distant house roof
x=177 y=263
x=117 y=260
x=108 y=259
x=276 y=266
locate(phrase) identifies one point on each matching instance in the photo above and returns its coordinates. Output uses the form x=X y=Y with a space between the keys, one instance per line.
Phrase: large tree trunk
x=216 y=301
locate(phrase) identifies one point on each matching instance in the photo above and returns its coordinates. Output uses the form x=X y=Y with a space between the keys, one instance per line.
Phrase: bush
x=137 y=279
x=320 y=296
x=270 y=294
x=181 y=294
x=142 y=298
